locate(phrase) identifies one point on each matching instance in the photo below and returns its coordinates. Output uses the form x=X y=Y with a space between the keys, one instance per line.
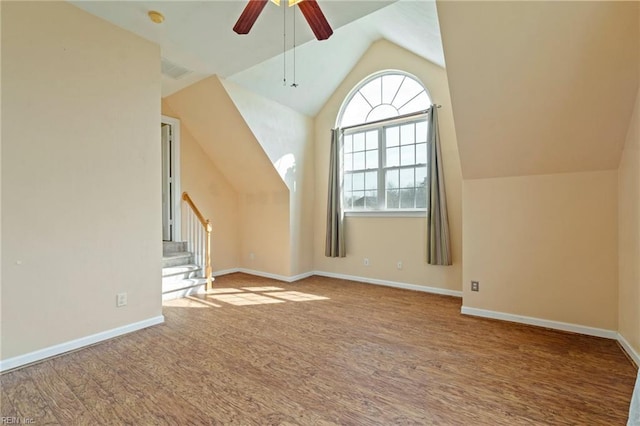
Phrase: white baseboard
x=556 y=325
x=396 y=284
x=633 y=354
x=39 y=355
x=284 y=278
x=225 y=272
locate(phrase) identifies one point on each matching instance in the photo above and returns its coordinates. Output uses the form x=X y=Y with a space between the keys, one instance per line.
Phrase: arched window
x=384 y=152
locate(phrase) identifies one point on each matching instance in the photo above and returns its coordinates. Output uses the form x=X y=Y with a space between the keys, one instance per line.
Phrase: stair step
x=174 y=274
x=179 y=269
x=176 y=259
x=183 y=288
x=169 y=247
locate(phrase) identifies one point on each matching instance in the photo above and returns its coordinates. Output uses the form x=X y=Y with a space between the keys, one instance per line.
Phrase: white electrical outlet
x=121 y=300
x=366 y=261
x=399 y=264
x=252 y=256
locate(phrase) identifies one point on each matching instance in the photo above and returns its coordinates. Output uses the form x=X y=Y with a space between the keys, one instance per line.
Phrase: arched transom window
x=384 y=151
x=387 y=95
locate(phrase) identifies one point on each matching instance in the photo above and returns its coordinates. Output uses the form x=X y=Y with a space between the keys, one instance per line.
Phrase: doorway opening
x=170 y=131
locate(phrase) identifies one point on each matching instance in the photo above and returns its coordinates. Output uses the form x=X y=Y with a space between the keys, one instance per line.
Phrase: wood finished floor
x=367 y=355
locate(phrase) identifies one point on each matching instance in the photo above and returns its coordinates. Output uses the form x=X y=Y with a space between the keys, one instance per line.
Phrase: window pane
x=421 y=197
x=407 y=134
x=393 y=157
x=421 y=176
x=407 y=198
x=372 y=91
x=408 y=90
x=346 y=202
x=358 y=142
x=392 y=179
x=371 y=199
x=346 y=182
x=393 y=136
x=358 y=161
x=419 y=103
x=406 y=178
x=358 y=199
x=407 y=155
x=371 y=181
x=421 y=131
x=390 y=86
x=372 y=139
x=358 y=181
x=372 y=159
x=421 y=153
x=348 y=144
x=393 y=199
x=381 y=112
x=348 y=162
x=356 y=111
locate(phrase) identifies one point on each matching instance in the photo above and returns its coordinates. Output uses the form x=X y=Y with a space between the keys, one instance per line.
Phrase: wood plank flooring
x=355 y=354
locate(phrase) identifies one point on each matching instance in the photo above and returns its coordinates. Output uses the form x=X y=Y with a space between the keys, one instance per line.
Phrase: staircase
x=180 y=276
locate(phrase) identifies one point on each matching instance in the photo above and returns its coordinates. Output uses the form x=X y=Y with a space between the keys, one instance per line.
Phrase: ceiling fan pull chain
x=295 y=83
x=284 y=46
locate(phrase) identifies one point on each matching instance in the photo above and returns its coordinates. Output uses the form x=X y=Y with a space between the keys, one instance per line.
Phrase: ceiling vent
x=173 y=70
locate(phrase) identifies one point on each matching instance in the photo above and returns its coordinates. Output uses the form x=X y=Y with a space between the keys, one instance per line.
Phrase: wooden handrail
x=189 y=201
x=206 y=224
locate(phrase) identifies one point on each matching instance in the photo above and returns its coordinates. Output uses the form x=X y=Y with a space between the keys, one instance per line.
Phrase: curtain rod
x=412 y=114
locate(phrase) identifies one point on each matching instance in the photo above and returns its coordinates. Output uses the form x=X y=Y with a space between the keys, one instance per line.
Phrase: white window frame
x=381 y=209
x=380 y=125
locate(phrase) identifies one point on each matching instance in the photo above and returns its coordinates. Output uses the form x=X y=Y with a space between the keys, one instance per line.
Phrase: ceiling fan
x=309 y=8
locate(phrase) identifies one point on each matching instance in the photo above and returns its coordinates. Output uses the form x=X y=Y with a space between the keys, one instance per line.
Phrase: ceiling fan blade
x=315 y=18
x=249 y=16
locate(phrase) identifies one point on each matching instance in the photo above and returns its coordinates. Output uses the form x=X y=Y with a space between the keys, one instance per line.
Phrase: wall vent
x=173 y=70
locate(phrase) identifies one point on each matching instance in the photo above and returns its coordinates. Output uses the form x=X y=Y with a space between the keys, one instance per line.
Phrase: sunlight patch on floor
x=190 y=302
x=295 y=296
x=262 y=288
x=223 y=290
x=242 y=299
x=243 y=296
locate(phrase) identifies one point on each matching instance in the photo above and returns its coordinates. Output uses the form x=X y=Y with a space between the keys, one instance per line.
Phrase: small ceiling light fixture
x=156 y=17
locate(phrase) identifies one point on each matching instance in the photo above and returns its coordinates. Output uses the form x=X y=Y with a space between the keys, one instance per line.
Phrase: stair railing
x=198 y=236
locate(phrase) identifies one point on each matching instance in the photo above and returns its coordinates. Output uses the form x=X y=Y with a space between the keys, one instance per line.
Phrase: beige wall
x=80 y=176
x=629 y=234
x=212 y=118
x=286 y=136
x=390 y=239
x=214 y=196
x=543 y=246
x=264 y=232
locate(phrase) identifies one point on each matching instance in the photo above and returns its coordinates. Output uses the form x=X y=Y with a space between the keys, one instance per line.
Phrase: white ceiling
x=198 y=35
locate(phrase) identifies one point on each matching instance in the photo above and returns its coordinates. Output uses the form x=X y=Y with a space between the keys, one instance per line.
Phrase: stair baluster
x=198 y=236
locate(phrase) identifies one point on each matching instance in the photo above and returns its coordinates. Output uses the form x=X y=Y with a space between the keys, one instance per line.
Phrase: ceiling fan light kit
x=309 y=8
x=291 y=2
x=156 y=17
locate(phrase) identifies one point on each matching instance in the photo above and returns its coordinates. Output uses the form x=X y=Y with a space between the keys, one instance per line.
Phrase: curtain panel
x=335 y=242
x=438 y=243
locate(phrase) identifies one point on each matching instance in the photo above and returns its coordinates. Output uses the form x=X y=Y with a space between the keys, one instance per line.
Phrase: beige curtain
x=438 y=245
x=335 y=245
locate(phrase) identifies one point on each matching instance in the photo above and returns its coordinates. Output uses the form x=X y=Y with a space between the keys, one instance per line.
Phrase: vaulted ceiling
x=536 y=87
x=198 y=36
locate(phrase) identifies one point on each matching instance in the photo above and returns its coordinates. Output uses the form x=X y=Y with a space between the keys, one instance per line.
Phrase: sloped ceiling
x=198 y=36
x=540 y=87
x=206 y=109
